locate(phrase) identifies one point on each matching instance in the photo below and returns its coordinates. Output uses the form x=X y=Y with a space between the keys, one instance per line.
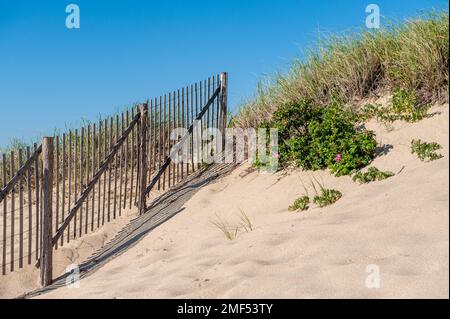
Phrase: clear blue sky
x=127 y=51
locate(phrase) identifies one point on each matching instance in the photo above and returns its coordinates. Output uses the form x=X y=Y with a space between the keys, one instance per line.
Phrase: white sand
x=400 y=224
x=27 y=279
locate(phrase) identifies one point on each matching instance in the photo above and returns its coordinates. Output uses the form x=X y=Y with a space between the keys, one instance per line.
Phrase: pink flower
x=276 y=155
x=338 y=158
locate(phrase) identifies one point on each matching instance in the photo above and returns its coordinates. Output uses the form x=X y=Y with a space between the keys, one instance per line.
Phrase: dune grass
x=411 y=56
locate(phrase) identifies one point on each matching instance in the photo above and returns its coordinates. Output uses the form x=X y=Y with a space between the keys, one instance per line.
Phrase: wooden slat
x=105 y=151
x=178 y=126
x=82 y=171
x=164 y=132
x=169 y=141
x=159 y=138
x=5 y=212
x=218 y=116
x=202 y=121
x=133 y=141
x=99 y=159
x=199 y=145
x=208 y=118
x=88 y=175
x=121 y=160
x=127 y=155
x=143 y=159
x=192 y=122
x=116 y=164
x=138 y=156
x=150 y=137
x=186 y=125
x=69 y=197
x=12 y=231
x=46 y=263
x=182 y=125
x=94 y=163
x=76 y=183
x=64 y=177
x=213 y=124
x=111 y=133
x=57 y=185
x=20 y=212
x=174 y=123
x=30 y=209
x=155 y=130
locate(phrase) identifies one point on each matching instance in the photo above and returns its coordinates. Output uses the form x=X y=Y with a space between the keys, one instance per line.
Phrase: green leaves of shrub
x=404 y=107
x=426 y=151
x=316 y=137
x=327 y=197
x=404 y=104
x=301 y=203
x=372 y=174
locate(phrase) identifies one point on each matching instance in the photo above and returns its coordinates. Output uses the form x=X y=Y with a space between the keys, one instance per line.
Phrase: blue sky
x=127 y=51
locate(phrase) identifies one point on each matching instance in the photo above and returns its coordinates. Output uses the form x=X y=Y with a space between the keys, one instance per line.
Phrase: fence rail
x=74 y=183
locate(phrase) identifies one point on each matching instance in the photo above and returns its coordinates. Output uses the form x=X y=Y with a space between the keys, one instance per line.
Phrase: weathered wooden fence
x=74 y=183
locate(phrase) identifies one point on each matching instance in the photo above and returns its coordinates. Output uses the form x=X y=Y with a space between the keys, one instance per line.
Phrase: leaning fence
x=74 y=183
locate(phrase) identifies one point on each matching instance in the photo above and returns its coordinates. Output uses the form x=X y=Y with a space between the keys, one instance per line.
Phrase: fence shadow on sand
x=161 y=210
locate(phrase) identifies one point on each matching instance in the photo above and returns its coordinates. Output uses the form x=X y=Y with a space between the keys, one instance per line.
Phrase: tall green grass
x=411 y=55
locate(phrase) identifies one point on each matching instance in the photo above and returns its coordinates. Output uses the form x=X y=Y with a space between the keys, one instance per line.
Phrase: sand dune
x=400 y=225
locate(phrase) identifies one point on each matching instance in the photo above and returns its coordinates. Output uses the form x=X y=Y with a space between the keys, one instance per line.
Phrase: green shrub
x=426 y=151
x=372 y=174
x=301 y=203
x=315 y=137
x=327 y=197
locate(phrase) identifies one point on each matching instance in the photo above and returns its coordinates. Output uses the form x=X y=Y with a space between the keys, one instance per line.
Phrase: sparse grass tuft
x=230 y=231
x=327 y=197
x=372 y=174
x=301 y=203
x=426 y=151
x=245 y=222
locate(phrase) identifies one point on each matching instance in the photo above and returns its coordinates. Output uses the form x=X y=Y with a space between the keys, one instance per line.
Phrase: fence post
x=223 y=102
x=47 y=192
x=143 y=158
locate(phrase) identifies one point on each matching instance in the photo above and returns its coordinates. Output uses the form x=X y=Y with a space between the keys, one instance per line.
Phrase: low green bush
x=327 y=197
x=426 y=151
x=301 y=203
x=372 y=174
x=404 y=107
x=315 y=137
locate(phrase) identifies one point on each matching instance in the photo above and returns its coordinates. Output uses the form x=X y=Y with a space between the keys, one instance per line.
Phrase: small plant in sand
x=326 y=196
x=230 y=231
x=404 y=108
x=426 y=151
x=245 y=222
x=372 y=174
x=301 y=203
x=404 y=104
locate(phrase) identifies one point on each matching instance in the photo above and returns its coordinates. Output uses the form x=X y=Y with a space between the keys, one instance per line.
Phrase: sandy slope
x=400 y=225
